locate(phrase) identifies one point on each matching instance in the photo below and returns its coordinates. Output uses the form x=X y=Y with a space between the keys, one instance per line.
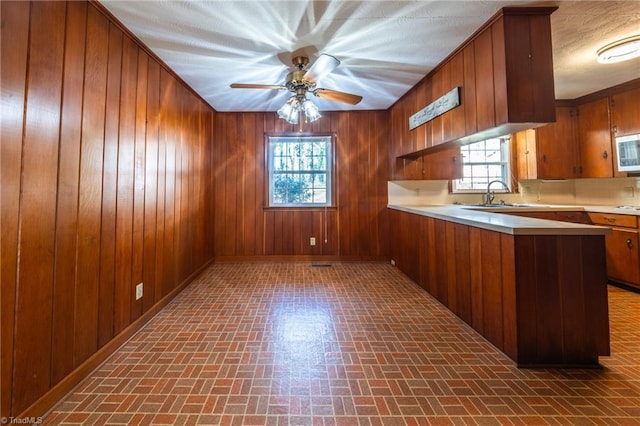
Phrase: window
x=483 y=162
x=299 y=171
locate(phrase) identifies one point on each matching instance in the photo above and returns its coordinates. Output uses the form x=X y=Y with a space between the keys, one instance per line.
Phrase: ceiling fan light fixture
x=290 y=110
x=310 y=111
x=621 y=50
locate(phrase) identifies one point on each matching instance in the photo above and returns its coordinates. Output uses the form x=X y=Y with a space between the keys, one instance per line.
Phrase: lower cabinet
x=623 y=257
x=541 y=299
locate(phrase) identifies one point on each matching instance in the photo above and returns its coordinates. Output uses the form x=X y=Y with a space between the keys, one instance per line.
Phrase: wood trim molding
x=300 y=258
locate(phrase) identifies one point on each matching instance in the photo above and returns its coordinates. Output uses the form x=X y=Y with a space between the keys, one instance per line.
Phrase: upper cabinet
x=625 y=112
x=504 y=73
x=580 y=144
x=594 y=139
x=549 y=152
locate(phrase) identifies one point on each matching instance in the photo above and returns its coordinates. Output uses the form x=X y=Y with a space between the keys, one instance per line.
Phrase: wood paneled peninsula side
x=535 y=288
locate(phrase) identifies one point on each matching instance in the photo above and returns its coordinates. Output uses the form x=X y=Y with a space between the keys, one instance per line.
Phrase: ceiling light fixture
x=296 y=104
x=621 y=50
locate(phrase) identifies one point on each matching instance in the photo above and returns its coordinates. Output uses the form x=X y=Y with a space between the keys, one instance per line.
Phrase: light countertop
x=486 y=218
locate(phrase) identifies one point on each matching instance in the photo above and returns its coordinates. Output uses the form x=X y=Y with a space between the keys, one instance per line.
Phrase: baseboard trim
x=49 y=400
x=299 y=258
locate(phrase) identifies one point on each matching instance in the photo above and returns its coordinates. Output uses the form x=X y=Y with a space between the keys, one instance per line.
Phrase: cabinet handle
x=605 y=155
x=544 y=158
x=629 y=243
x=609 y=219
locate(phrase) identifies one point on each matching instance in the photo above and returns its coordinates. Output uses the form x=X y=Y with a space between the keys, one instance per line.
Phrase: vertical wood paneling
x=549 y=335
x=475 y=253
x=161 y=277
x=509 y=313
x=594 y=262
x=526 y=290
x=492 y=301
x=457 y=124
x=529 y=295
x=89 y=201
x=139 y=167
x=485 y=104
x=85 y=185
x=502 y=87
x=462 y=271
x=36 y=238
x=354 y=227
x=109 y=189
x=151 y=185
x=469 y=101
x=573 y=315
x=67 y=203
x=13 y=67
x=171 y=109
x=124 y=211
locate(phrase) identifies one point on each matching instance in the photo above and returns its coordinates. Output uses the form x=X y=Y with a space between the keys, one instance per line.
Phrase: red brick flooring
x=350 y=344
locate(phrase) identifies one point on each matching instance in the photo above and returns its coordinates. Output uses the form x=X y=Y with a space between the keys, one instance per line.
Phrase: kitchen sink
x=499 y=205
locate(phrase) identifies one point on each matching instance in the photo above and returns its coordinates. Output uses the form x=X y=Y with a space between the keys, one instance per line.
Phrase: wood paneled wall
x=106 y=183
x=355 y=229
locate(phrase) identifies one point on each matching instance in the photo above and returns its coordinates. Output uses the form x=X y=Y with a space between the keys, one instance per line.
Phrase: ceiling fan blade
x=334 y=95
x=257 y=86
x=321 y=68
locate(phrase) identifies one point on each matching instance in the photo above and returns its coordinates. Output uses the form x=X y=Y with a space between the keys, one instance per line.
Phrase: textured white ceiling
x=385 y=47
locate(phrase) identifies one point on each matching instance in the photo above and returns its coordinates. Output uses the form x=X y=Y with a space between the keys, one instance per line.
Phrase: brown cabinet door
x=623 y=262
x=625 y=112
x=557 y=151
x=594 y=139
x=442 y=165
x=525 y=146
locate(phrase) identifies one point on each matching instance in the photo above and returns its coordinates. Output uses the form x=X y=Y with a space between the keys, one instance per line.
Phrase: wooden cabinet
x=505 y=76
x=625 y=112
x=623 y=257
x=548 y=152
x=557 y=150
x=594 y=139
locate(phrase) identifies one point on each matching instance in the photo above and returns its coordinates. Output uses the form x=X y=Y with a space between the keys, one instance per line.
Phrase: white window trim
x=506 y=174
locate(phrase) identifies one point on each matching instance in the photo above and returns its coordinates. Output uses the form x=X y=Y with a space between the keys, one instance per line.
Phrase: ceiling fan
x=302 y=80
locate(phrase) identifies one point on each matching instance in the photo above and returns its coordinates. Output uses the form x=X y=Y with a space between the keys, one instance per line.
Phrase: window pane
x=299 y=171
x=483 y=162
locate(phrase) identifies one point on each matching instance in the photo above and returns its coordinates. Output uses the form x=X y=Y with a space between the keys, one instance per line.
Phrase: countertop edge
x=504 y=223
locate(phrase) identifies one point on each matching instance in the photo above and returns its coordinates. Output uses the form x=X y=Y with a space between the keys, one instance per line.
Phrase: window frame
x=330 y=172
x=507 y=164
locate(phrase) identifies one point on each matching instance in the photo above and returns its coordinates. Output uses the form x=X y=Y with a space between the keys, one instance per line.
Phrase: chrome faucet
x=490 y=195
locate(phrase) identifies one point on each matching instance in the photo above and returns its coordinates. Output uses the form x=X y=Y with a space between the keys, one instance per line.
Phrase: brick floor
x=350 y=344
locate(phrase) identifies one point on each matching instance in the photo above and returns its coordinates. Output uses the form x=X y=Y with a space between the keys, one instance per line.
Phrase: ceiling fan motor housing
x=296 y=81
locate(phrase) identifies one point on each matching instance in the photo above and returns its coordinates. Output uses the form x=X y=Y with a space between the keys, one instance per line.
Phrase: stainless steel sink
x=499 y=205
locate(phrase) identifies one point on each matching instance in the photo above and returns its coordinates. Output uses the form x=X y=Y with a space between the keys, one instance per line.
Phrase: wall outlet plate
x=312 y=241
x=139 y=291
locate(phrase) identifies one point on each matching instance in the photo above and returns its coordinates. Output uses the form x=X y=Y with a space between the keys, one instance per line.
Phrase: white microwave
x=628 y=153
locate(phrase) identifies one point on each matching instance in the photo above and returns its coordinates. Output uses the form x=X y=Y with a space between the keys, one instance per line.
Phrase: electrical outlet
x=139 y=290
x=312 y=241
x=393 y=262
